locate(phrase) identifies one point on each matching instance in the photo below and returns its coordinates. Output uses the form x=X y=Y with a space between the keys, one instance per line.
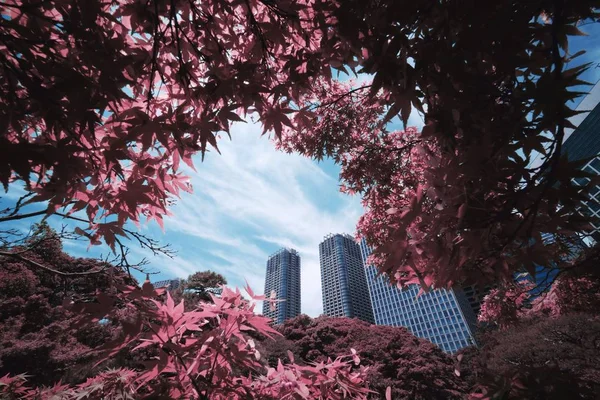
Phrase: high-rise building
x=169 y=284
x=583 y=143
x=579 y=143
x=470 y=298
x=343 y=279
x=436 y=316
x=545 y=275
x=283 y=277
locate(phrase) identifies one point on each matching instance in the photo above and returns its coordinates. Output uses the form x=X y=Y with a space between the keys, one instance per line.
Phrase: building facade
x=343 y=279
x=169 y=284
x=436 y=316
x=283 y=277
x=470 y=298
x=583 y=143
x=579 y=143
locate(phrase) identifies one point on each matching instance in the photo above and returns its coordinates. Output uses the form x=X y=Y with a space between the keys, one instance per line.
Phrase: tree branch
x=52 y=270
x=22 y=216
x=329 y=103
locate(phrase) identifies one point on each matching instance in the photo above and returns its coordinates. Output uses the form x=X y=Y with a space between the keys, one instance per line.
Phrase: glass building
x=580 y=143
x=583 y=143
x=169 y=284
x=470 y=298
x=283 y=277
x=343 y=280
x=436 y=316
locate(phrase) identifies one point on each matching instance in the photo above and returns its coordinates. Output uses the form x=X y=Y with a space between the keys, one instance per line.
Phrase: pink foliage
x=425 y=216
x=104 y=119
x=504 y=306
x=204 y=353
x=542 y=358
x=102 y=102
x=412 y=368
x=514 y=303
x=37 y=335
x=569 y=294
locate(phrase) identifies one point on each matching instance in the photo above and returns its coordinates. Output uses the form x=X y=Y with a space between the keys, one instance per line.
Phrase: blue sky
x=252 y=200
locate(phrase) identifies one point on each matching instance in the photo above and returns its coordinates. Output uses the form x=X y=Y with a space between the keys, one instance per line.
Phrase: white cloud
x=250 y=201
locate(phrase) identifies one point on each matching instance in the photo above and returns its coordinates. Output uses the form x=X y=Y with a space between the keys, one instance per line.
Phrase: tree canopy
x=60 y=333
x=414 y=368
x=37 y=335
x=200 y=354
x=542 y=359
x=102 y=102
x=199 y=286
x=204 y=283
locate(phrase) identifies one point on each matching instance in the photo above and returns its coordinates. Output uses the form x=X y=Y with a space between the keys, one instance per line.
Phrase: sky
x=252 y=200
x=249 y=202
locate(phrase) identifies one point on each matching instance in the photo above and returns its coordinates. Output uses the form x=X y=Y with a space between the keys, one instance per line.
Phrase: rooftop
x=329 y=236
x=284 y=250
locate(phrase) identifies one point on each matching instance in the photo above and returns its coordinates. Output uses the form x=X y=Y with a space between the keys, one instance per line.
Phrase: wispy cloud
x=250 y=201
x=247 y=203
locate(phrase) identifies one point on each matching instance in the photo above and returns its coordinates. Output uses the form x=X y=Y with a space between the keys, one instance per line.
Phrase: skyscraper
x=283 y=276
x=583 y=143
x=343 y=280
x=169 y=284
x=579 y=143
x=435 y=316
x=470 y=298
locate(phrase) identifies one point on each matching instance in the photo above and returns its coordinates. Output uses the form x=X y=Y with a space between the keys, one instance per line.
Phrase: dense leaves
x=505 y=306
x=199 y=287
x=37 y=335
x=575 y=289
x=62 y=331
x=102 y=102
x=199 y=355
x=414 y=368
x=205 y=283
x=568 y=295
x=541 y=359
x=517 y=303
x=458 y=202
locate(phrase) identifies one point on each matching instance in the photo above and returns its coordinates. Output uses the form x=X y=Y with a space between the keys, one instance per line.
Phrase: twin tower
x=352 y=288
x=343 y=281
